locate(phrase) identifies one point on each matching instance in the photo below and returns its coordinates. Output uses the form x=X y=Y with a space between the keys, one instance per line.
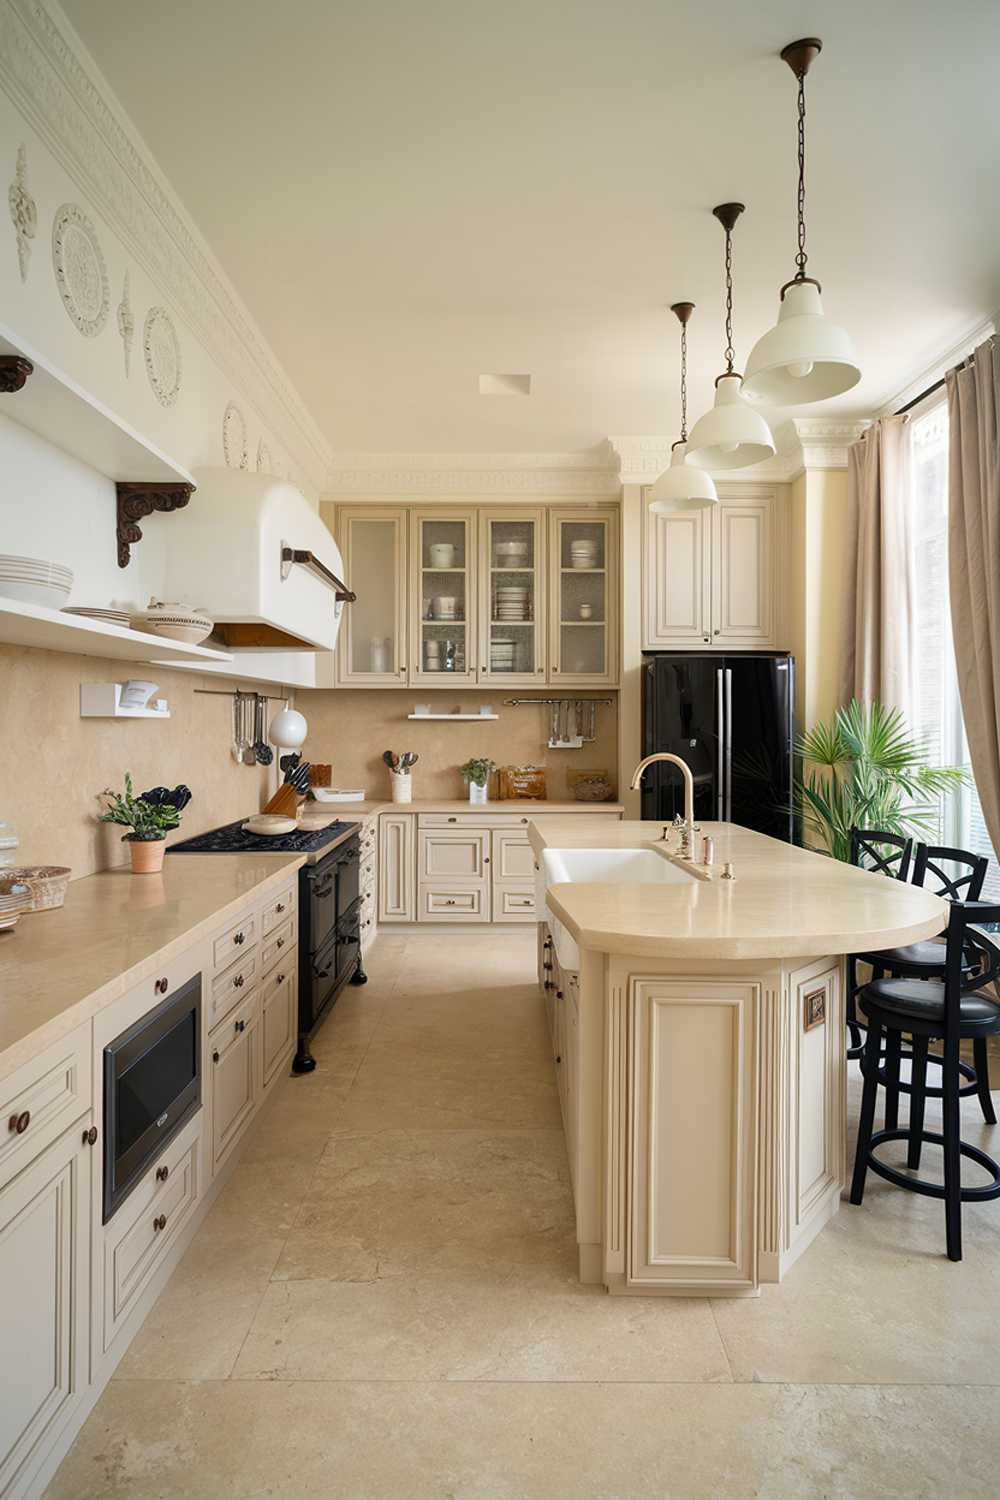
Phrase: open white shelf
x=100 y=700
x=456 y=718
x=51 y=630
x=53 y=405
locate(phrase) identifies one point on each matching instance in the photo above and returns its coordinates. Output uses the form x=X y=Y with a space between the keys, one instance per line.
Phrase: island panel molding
x=137 y=501
x=45 y=78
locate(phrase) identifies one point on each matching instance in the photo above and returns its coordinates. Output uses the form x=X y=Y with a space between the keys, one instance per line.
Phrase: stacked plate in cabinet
x=512 y=603
x=502 y=656
x=35 y=580
x=583 y=554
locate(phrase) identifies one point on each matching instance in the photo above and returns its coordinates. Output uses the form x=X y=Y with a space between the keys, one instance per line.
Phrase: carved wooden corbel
x=137 y=501
x=14 y=371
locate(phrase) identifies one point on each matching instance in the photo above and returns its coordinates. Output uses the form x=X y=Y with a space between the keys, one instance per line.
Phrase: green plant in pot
x=477 y=773
x=866 y=769
x=150 y=816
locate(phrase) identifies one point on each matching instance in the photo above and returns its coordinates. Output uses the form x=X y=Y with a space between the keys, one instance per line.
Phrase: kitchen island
x=698 y=1030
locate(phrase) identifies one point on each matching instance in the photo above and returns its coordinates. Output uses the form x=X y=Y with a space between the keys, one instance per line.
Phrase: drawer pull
x=559 y=994
x=160 y=986
x=239 y=937
x=452 y=820
x=450 y=902
x=524 y=820
x=160 y=1222
x=90 y=1136
x=280 y=906
x=239 y=1026
x=238 y=982
x=162 y=1173
x=280 y=943
x=18 y=1124
x=215 y=1057
x=280 y=979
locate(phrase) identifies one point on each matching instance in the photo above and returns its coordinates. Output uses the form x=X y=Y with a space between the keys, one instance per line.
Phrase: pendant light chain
x=684 y=383
x=730 y=351
x=801 y=257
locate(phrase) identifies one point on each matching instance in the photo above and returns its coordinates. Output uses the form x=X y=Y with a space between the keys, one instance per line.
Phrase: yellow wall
x=819 y=569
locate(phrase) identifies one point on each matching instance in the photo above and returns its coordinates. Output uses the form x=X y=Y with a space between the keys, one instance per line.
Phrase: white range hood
x=253 y=553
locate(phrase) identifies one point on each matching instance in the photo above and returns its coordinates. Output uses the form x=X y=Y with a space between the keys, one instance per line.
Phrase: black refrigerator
x=730 y=718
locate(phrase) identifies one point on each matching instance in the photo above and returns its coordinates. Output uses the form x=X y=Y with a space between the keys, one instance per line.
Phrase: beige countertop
x=58 y=968
x=785 y=901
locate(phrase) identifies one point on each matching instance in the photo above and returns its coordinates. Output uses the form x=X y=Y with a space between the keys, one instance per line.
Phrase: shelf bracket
x=137 y=501
x=14 y=371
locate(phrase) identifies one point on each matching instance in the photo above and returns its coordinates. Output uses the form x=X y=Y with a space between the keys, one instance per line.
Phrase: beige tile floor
x=383 y=1303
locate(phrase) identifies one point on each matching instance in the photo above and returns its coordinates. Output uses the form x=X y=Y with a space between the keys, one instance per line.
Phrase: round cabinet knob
x=706 y=639
x=238 y=982
x=241 y=1026
x=90 y=1136
x=715 y=632
x=162 y=1173
x=18 y=1124
x=160 y=1222
x=280 y=906
x=280 y=979
x=280 y=943
x=215 y=1057
x=239 y=938
x=160 y=986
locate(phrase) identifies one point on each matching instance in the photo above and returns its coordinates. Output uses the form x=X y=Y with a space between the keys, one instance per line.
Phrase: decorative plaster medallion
x=234 y=437
x=126 y=325
x=23 y=213
x=81 y=274
x=163 y=355
x=265 y=464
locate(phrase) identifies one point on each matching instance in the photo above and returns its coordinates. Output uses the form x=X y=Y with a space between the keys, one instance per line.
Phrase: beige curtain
x=879 y=617
x=974 y=563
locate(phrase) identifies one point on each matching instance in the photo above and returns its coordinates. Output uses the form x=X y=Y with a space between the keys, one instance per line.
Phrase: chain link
x=684 y=383
x=801 y=257
x=730 y=352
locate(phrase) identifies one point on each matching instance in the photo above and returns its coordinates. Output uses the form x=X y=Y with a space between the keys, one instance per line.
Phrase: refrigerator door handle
x=720 y=719
x=729 y=744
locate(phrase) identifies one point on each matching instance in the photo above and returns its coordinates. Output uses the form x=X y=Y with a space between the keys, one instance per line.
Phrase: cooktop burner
x=231 y=839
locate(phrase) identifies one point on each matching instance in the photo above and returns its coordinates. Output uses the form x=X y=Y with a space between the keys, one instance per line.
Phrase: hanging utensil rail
x=530 y=702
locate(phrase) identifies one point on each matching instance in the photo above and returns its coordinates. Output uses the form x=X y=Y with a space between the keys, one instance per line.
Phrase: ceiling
x=408 y=195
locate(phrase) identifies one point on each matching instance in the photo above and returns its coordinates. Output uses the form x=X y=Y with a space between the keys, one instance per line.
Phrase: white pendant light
x=682 y=486
x=731 y=435
x=804 y=357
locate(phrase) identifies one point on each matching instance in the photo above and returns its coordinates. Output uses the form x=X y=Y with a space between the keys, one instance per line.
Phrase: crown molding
x=640 y=460
x=936 y=371
x=802 y=443
x=53 y=81
x=466 y=476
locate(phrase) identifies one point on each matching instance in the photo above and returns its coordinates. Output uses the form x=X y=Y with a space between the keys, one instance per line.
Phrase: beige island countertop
x=785 y=901
x=59 y=968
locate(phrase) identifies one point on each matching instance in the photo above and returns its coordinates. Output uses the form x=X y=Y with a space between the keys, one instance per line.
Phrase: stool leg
x=982 y=1063
x=893 y=1047
x=869 y=1067
x=853 y=1029
x=918 y=1084
x=952 y=1150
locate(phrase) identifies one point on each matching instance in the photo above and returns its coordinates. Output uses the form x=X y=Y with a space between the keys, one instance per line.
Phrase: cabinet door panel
x=743 y=573
x=513 y=856
x=443 y=597
x=583 y=632
x=677 y=579
x=512 y=586
x=372 y=646
x=454 y=854
x=235 y=1086
x=278 y=1019
x=397 y=868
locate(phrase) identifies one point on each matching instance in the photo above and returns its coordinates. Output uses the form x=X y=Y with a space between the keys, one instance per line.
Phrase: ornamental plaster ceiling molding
x=803 y=443
x=81 y=272
x=126 y=325
x=23 y=213
x=470 y=475
x=48 y=83
x=234 y=437
x=265 y=463
x=162 y=351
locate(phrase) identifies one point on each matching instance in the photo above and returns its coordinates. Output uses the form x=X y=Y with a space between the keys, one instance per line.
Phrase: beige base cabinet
x=236 y=1078
x=709 y=575
x=397 y=885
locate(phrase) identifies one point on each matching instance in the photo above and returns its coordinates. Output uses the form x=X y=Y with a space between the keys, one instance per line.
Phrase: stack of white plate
x=501 y=656
x=94 y=612
x=445 y=607
x=35 y=580
x=583 y=554
x=512 y=603
x=510 y=554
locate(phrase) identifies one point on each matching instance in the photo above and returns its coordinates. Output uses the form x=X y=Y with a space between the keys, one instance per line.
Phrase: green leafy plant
x=477 y=770
x=147 y=820
x=866 y=769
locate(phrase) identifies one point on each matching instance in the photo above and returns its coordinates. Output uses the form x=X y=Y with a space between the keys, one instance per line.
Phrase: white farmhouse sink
x=599 y=867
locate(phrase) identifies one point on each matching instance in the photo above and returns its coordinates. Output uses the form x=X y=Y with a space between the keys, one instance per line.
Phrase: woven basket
x=592 y=789
x=46 y=884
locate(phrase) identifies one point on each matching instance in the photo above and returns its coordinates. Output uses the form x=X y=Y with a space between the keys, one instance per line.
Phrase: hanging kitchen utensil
x=249 y=754
x=262 y=749
x=592 y=721
x=236 y=749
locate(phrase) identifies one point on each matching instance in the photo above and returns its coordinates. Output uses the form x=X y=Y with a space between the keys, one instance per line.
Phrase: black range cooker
x=329 y=910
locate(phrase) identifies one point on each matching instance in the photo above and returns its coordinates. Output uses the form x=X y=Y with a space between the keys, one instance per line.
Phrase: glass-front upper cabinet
x=512 y=597
x=443 y=596
x=372 y=644
x=583 y=632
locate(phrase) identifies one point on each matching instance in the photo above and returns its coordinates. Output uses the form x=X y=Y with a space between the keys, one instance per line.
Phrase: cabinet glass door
x=512 y=613
x=373 y=630
x=444 y=594
x=584 y=627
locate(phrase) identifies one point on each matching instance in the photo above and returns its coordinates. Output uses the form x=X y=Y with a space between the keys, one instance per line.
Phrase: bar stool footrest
x=932 y=1091
x=934 y=1189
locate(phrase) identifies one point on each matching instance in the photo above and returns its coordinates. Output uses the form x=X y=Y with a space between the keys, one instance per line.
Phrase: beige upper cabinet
x=443 y=597
x=373 y=644
x=709 y=574
x=583 y=631
x=512 y=597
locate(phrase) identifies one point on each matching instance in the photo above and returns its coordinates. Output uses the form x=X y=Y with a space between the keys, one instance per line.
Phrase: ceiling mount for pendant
x=801 y=55
x=681 y=486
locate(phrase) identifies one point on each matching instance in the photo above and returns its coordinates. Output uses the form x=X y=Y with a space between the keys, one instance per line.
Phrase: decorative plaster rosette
x=24 y=215
x=234 y=437
x=163 y=355
x=265 y=463
x=81 y=275
x=126 y=325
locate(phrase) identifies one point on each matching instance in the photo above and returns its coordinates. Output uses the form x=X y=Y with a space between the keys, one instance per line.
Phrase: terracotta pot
x=147 y=855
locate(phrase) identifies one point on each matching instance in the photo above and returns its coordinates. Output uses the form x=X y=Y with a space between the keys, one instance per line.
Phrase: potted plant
x=865 y=769
x=150 y=816
x=477 y=773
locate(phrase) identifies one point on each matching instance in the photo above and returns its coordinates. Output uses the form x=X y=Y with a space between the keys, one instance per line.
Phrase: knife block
x=285 y=801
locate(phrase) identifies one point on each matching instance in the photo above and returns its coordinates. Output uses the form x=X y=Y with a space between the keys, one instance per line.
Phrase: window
x=937 y=712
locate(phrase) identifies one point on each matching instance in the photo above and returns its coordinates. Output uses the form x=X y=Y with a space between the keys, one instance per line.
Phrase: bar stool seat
x=924 y=1000
x=916 y=960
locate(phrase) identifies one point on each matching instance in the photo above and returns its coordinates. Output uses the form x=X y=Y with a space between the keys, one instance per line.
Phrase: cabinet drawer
x=453 y=903
x=280 y=942
x=40 y=1099
x=141 y=1234
x=230 y=987
x=513 y=903
x=277 y=910
x=234 y=940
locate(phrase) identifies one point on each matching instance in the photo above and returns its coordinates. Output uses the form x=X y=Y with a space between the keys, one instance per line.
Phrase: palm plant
x=866 y=769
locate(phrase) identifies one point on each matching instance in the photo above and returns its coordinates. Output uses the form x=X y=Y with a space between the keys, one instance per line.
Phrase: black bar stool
x=953 y=1009
x=926 y=960
x=883 y=853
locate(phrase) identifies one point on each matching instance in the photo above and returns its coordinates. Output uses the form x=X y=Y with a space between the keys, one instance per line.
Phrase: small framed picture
x=813 y=1009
